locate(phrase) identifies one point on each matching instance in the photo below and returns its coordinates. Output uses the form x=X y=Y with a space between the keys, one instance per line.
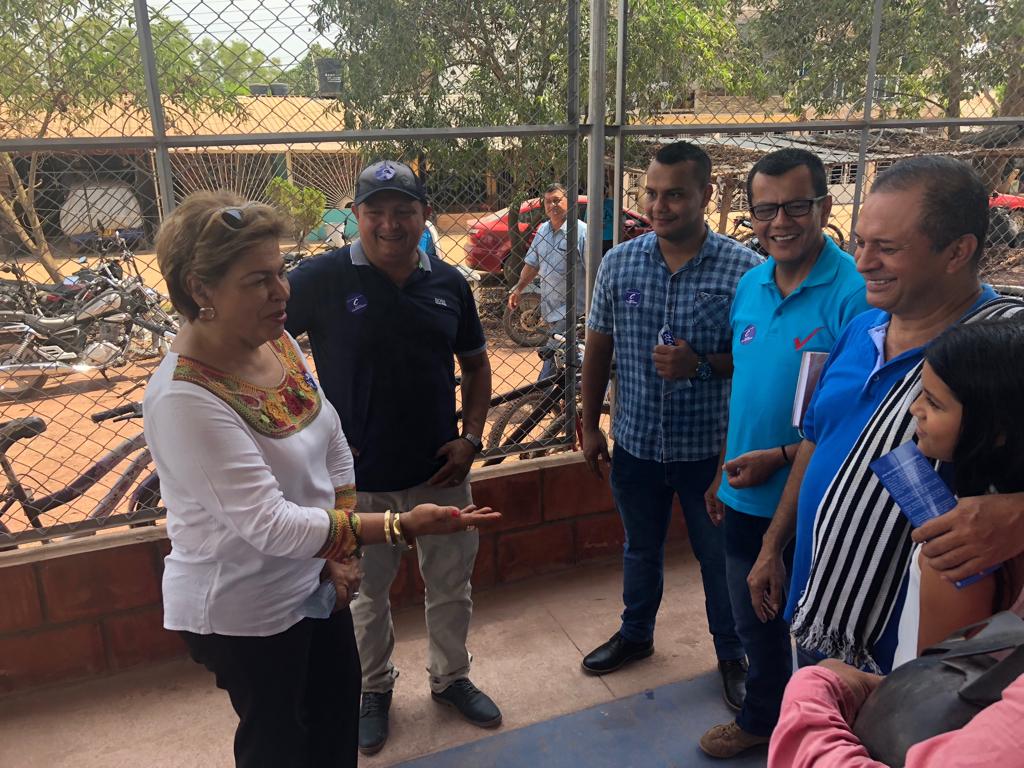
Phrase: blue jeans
x=643 y=492
x=767 y=644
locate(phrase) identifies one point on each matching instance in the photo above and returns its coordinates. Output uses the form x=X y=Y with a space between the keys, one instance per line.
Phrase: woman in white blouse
x=258 y=482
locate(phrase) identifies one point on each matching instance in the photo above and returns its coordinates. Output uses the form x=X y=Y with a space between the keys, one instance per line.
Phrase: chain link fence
x=111 y=112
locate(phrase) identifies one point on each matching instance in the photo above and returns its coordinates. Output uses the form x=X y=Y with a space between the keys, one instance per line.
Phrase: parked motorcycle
x=119 y=326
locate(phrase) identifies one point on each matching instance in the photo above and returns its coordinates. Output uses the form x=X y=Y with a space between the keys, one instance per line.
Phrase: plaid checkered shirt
x=635 y=296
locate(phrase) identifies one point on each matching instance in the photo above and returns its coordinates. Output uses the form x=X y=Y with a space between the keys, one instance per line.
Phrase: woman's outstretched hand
x=428 y=519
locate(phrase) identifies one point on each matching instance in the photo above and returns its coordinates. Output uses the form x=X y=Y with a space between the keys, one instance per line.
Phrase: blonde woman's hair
x=198 y=240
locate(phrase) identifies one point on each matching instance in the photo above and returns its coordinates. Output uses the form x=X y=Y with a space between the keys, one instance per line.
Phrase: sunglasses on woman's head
x=231 y=216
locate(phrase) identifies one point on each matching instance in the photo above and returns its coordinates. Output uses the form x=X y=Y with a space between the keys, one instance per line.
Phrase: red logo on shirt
x=798 y=344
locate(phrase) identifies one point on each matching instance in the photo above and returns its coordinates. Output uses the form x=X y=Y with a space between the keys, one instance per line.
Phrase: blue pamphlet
x=917 y=489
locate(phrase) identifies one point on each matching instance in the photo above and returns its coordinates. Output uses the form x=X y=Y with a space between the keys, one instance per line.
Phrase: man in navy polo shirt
x=385 y=323
x=661 y=302
x=798 y=301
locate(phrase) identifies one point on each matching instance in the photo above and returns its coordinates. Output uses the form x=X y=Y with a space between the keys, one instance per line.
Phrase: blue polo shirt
x=769 y=336
x=635 y=295
x=385 y=357
x=853 y=384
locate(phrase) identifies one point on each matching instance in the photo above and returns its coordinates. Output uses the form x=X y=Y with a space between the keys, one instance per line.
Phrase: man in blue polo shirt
x=661 y=303
x=798 y=301
x=386 y=323
x=548 y=256
x=920 y=237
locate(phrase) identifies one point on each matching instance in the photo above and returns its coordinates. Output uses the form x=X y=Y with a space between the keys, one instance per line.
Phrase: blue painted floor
x=658 y=728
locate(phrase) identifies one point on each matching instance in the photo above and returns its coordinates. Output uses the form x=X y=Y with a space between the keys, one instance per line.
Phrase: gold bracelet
x=387 y=526
x=400 y=536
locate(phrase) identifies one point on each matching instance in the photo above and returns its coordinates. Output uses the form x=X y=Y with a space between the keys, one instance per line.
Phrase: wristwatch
x=704 y=372
x=476 y=442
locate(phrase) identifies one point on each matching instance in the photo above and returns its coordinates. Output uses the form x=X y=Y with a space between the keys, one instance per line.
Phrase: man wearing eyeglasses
x=798 y=301
x=548 y=256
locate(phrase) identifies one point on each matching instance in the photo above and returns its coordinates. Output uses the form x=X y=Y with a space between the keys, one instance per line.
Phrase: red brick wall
x=92 y=607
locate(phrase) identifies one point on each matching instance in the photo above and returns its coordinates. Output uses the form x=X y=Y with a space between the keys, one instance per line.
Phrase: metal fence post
x=620 y=119
x=572 y=241
x=162 y=158
x=865 y=131
x=595 y=159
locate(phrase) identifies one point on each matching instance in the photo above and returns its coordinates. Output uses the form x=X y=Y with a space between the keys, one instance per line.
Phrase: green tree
x=61 y=63
x=934 y=54
x=303 y=206
x=233 y=65
x=409 y=63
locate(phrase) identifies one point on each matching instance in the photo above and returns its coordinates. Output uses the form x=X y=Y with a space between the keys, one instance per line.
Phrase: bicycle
x=534 y=415
x=142 y=501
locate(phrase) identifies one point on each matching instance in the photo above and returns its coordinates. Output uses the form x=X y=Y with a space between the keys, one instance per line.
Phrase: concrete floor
x=527 y=640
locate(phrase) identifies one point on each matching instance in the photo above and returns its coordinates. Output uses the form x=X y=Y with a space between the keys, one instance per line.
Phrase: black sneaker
x=373 y=722
x=472 y=703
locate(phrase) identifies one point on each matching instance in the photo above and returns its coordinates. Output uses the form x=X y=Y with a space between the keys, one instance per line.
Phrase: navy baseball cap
x=388 y=175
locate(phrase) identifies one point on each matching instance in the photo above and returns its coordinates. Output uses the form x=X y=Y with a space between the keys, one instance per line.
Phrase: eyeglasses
x=794 y=208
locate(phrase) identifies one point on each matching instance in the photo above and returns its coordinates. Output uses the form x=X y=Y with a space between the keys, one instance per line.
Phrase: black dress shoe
x=472 y=703
x=617 y=652
x=373 y=722
x=734 y=682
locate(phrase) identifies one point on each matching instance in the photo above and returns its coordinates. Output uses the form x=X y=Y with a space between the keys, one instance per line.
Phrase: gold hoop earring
x=207 y=313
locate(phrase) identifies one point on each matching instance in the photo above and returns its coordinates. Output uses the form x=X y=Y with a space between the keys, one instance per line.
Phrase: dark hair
x=980 y=363
x=785 y=160
x=556 y=187
x=682 y=152
x=954 y=198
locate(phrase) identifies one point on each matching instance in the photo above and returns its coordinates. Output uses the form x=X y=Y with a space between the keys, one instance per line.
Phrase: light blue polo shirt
x=547 y=253
x=769 y=336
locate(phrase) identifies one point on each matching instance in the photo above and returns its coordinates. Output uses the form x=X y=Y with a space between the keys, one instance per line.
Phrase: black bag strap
x=988 y=687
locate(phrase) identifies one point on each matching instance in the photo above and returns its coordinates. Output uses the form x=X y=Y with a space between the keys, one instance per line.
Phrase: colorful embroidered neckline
x=274 y=412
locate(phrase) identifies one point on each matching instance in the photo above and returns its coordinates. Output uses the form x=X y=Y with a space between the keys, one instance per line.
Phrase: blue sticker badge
x=748 y=334
x=386 y=172
x=632 y=297
x=356 y=303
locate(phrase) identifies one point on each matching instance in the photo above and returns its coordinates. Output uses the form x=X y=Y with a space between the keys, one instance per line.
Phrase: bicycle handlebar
x=129 y=410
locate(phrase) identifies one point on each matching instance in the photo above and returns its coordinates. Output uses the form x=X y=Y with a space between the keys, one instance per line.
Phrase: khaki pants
x=446 y=564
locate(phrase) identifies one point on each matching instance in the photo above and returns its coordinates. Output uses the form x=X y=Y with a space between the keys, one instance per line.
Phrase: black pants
x=296 y=693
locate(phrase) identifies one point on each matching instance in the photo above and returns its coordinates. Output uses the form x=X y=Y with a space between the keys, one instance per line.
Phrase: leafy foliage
x=303 y=206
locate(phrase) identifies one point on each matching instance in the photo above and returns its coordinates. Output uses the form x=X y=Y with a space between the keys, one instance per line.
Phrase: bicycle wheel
x=534 y=417
x=524 y=324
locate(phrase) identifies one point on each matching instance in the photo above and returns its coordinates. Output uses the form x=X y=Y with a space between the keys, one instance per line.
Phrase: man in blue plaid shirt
x=661 y=303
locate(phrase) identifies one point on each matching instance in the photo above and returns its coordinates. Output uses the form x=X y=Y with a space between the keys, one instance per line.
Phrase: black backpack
x=942 y=689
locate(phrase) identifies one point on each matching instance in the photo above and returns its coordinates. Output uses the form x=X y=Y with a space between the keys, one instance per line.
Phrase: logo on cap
x=386 y=172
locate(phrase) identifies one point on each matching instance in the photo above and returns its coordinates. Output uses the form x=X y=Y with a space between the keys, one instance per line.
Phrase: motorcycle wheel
x=14 y=384
x=524 y=324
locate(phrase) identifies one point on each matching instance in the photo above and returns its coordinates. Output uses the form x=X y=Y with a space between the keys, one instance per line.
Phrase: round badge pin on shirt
x=386 y=172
